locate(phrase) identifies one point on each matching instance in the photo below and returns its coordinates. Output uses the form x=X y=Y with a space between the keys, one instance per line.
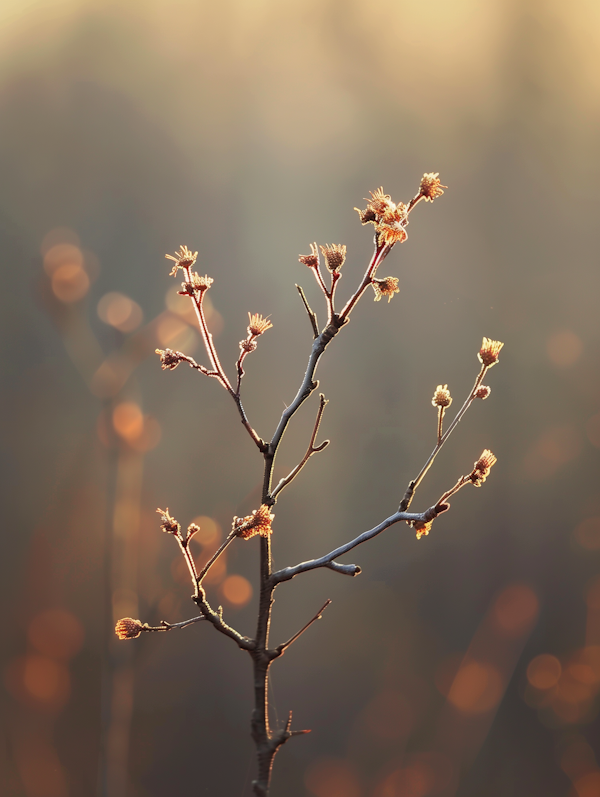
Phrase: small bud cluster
x=259 y=522
x=335 y=256
x=312 y=260
x=390 y=219
x=183 y=259
x=169 y=359
x=482 y=468
x=197 y=284
x=387 y=286
x=441 y=397
x=431 y=186
x=128 y=628
x=168 y=524
x=483 y=392
x=489 y=351
x=257 y=326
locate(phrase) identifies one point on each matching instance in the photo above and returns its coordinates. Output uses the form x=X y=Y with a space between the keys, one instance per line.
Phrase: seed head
x=489 y=351
x=441 y=397
x=387 y=286
x=335 y=255
x=259 y=522
x=431 y=186
x=128 y=628
x=169 y=359
x=184 y=258
x=248 y=345
x=168 y=523
x=197 y=283
x=389 y=218
x=483 y=392
x=258 y=325
x=482 y=468
x=193 y=528
x=312 y=260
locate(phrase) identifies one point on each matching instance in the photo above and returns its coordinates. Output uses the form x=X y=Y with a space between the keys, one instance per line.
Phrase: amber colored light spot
x=236 y=590
x=564 y=348
x=571 y=691
x=172 y=331
x=476 y=688
x=210 y=531
x=544 y=671
x=110 y=377
x=589 y=657
x=128 y=421
x=416 y=780
x=332 y=777
x=587 y=533
x=578 y=758
x=588 y=785
x=446 y=672
x=39 y=680
x=516 y=609
x=60 y=255
x=592 y=429
x=388 y=716
x=56 y=633
x=582 y=673
x=183 y=305
x=120 y=312
x=58 y=236
x=70 y=283
x=555 y=447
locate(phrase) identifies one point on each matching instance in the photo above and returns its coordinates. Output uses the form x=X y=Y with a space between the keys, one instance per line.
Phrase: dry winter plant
x=390 y=221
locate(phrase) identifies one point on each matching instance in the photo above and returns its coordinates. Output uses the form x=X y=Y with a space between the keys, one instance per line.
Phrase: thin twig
x=280 y=649
x=412 y=487
x=216 y=619
x=312 y=315
x=312 y=449
x=215 y=556
x=164 y=626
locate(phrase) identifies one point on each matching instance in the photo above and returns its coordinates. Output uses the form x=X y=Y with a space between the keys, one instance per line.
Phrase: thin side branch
x=312 y=449
x=215 y=556
x=280 y=649
x=311 y=315
x=216 y=619
x=164 y=626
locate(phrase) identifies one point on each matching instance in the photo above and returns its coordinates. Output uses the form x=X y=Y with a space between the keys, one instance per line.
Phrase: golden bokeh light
x=564 y=348
x=174 y=333
x=60 y=255
x=128 y=421
x=58 y=236
x=332 y=777
x=70 y=283
x=38 y=680
x=587 y=786
x=477 y=687
x=544 y=671
x=120 y=312
x=210 y=531
x=56 y=633
x=236 y=590
x=587 y=533
x=516 y=609
x=182 y=305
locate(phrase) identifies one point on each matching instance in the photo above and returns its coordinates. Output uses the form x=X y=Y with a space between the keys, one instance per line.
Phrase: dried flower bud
x=431 y=186
x=197 y=283
x=387 y=286
x=259 y=522
x=335 y=255
x=248 y=345
x=192 y=529
x=422 y=528
x=168 y=524
x=489 y=351
x=483 y=392
x=169 y=359
x=184 y=258
x=482 y=468
x=128 y=628
x=441 y=397
x=258 y=325
x=389 y=219
x=312 y=260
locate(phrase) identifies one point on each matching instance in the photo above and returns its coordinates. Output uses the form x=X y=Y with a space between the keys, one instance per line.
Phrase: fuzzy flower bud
x=388 y=217
x=335 y=255
x=489 y=351
x=258 y=325
x=441 y=397
x=184 y=258
x=312 y=260
x=197 y=283
x=431 y=187
x=482 y=468
x=169 y=359
x=259 y=522
x=483 y=392
x=387 y=286
x=168 y=524
x=128 y=628
x=248 y=345
x=422 y=528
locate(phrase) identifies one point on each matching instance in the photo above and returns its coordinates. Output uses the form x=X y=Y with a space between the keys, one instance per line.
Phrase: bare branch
x=216 y=619
x=280 y=649
x=164 y=626
x=215 y=556
x=311 y=315
x=312 y=449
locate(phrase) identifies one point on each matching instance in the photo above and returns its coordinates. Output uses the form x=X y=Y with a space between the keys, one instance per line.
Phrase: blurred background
x=466 y=663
